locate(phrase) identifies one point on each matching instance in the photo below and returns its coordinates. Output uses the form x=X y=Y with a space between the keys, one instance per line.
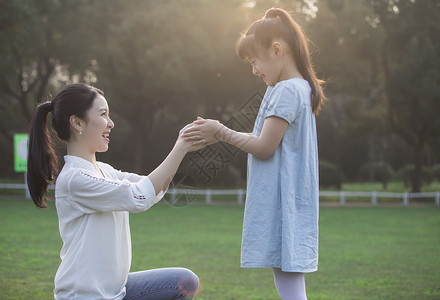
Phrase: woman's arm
x=122 y=191
x=164 y=173
x=263 y=146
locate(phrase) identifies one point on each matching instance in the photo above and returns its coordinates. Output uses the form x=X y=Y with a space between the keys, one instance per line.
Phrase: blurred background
x=163 y=63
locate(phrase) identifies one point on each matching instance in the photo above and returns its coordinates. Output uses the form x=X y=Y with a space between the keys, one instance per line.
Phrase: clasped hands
x=203 y=132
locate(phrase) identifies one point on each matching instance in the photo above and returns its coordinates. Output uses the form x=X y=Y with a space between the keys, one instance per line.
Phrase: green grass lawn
x=365 y=253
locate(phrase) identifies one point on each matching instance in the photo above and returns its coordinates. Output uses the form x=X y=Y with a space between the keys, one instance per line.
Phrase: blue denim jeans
x=161 y=284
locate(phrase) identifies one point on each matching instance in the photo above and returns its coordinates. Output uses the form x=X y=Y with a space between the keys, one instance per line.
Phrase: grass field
x=365 y=253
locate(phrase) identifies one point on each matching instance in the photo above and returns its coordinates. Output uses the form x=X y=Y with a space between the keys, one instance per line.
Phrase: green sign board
x=20 y=152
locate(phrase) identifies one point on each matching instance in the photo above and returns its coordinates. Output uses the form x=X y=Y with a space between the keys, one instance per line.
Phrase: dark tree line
x=163 y=63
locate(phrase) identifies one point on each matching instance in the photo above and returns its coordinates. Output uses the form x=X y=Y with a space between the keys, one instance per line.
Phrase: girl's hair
x=278 y=24
x=75 y=99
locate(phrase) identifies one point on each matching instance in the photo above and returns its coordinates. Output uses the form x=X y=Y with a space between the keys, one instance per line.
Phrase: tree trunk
x=416 y=178
x=384 y=183
x=371 y=157
x=138 y=151
x=413 y=136
x=141 y=130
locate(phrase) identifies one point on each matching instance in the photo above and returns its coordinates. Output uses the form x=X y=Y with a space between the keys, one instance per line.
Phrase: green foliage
x=381 y=60
x=410 y=63
x=365 y=253
x=376 y=171
x=163 y=63
x=436 y=172
x=407 y=174
x=352 y=128
x=329 y=174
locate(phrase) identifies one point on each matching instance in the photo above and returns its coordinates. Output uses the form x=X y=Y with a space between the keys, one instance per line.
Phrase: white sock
x=290 y=286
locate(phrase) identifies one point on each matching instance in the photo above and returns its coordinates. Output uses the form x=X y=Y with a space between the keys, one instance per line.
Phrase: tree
x=351 y=127
x=411 y=66
x=159 y=57
x=36 y=39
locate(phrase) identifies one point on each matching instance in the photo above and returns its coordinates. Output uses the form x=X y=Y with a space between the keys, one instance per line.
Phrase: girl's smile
x=274 y=64
x=264 y=68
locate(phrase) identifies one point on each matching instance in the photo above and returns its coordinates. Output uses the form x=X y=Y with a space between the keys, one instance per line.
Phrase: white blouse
x=94 y=226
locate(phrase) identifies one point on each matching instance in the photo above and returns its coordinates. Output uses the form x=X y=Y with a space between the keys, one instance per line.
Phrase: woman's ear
x=277 y=48
x=76 y=123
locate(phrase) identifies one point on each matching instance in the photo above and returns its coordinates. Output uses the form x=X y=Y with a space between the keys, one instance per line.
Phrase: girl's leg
x=290 y=286
x=161 y=284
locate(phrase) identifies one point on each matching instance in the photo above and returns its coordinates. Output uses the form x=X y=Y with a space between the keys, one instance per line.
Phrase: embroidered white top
x=94 y=226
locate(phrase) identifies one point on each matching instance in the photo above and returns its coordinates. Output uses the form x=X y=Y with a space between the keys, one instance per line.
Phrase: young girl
x=280 y=228
x=93 y=200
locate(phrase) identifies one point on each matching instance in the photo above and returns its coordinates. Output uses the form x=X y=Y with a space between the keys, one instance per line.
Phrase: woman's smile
x=106 y=136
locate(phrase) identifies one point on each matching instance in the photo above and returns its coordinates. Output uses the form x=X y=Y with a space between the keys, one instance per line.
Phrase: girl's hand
x=204 y=132
x=163 y=174
x=189 y=146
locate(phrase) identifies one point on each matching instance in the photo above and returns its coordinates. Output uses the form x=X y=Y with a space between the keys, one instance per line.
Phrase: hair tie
x=47 y=105
x=271 y=13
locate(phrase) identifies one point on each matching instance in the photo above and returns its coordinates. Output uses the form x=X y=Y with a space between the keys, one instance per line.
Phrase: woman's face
x=97 y=129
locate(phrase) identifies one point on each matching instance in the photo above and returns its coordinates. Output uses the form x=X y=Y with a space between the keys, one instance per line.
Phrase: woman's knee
x=188 y=282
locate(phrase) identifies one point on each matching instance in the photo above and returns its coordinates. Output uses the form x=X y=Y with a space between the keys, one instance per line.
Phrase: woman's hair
x=278 y=24
x=74 y=99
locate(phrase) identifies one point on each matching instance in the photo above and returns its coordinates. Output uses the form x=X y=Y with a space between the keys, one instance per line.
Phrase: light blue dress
x=280 y=227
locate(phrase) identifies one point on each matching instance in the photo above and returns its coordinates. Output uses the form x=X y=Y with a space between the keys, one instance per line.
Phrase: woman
x=93 y=200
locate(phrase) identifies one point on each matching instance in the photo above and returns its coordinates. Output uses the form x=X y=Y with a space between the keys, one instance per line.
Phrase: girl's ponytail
x=298 y=43
x=42 y=160
x=277 y=23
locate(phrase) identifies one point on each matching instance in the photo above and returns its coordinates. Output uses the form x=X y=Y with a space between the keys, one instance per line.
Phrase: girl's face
x=266 y=65
x=97 y=129
x=274 y=64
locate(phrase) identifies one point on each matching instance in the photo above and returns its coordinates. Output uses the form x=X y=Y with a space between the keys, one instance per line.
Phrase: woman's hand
x=204 y=132
x=164 y=173
x=188 y=145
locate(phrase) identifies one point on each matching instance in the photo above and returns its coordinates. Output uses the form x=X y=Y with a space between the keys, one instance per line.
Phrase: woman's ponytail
x=75 y=99
x=42 y=160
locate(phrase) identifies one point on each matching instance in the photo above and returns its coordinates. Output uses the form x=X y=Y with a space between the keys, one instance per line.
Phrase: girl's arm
x=263 y=146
